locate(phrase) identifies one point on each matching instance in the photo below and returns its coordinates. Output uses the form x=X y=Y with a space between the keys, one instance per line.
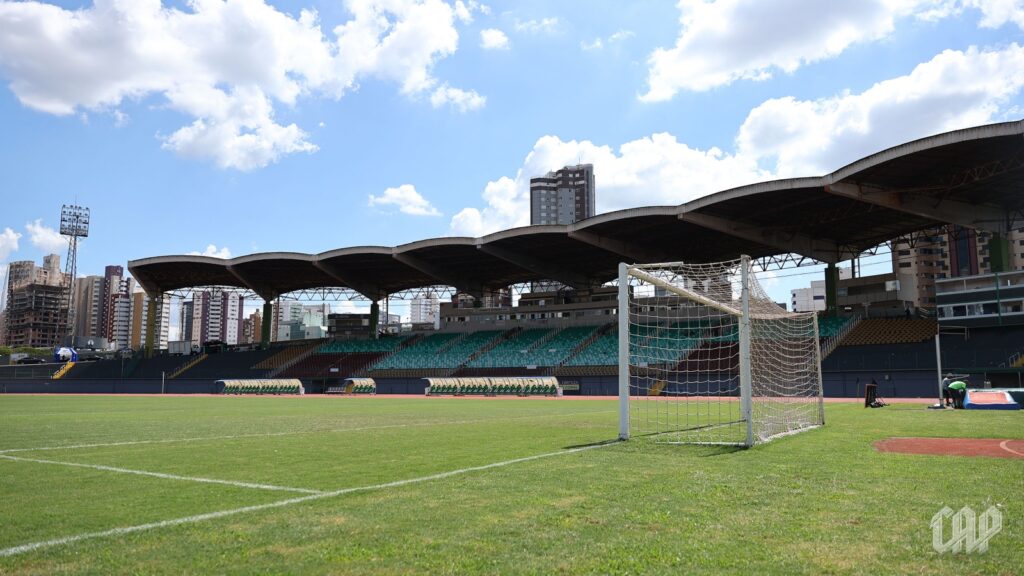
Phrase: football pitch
x=107 y=484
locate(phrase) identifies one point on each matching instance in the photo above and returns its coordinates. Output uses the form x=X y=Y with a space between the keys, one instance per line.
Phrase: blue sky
x=243 y=126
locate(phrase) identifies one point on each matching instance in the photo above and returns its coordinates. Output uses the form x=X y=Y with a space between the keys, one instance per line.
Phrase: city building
x=88 y=302
x=563 y=196
x=36 y=307
x=140 y=312
x=216 y=316
x=425 y=310
x=252 y=329
x=185 y=321
x=286 y=312
x=955 y=253
x=812 y=299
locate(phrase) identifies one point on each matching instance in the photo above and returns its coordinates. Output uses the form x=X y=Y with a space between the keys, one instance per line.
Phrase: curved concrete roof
x=972 y=177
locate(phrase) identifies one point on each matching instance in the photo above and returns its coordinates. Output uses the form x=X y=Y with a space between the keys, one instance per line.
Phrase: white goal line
x=23 y=548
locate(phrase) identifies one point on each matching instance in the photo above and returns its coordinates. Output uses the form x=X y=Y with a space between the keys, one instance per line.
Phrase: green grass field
x=819 y=502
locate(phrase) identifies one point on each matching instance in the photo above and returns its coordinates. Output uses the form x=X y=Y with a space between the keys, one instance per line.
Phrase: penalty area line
x=23 y=548
x=164 y=476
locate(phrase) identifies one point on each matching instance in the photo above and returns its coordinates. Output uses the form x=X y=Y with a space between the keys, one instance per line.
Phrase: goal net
x=705 y=356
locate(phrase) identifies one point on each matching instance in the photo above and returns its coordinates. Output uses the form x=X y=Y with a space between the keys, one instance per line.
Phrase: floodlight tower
x=74 y=223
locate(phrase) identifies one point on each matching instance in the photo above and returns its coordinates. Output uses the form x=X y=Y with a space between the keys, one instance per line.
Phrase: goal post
x=705 y=356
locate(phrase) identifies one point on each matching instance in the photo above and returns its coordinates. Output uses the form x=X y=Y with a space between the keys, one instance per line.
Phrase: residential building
x=36 y=307
x=252 y=329
x=140 y=320
x=425 y=310
x=88 y=303
x=216 y=315
x=953 y=253
x=563 y=196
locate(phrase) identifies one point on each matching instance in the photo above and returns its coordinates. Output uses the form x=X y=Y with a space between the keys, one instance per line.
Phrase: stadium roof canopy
x=972 y=177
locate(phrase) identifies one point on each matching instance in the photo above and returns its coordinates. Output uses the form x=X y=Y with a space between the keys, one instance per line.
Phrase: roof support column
x=831 y=290
x=151 y=323
x=266 y=325
x=999 y=253
x=375 y=319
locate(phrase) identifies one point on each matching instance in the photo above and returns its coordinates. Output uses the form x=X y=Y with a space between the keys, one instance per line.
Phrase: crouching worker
x=949 y=393
x=958 y=388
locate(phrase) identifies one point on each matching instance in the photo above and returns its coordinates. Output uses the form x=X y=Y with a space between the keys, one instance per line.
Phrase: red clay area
x=988 y=397
x=987 y=447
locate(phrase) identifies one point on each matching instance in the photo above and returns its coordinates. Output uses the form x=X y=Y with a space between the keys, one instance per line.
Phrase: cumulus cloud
x=212 y=250
x=493 y=39
x=598 y=43
x=782 y=137
x=729 y=40
x=45 y=238
x=459 y=99
x=540 y=26
x=8 y=243
x=224 y=64
x=657 y=169
x=953 y=90
x=406 y=199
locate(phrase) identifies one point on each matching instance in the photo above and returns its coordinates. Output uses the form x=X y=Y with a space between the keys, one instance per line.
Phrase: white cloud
x=621 y=35
x=461 y=100
x=464 y=10
x=541 y=26
x=729 y=40
x=212 y=250
x=45 y=238
x=407 y=199
x=8 y=242
x=595 y=44
x=493 y=39
x=995 y=13
x=656 y=169
x=223 y=64
x=953 y=90
x=780 y=138
x=725 y=41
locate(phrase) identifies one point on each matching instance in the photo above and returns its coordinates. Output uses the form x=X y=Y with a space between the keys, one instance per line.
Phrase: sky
x=228 y=127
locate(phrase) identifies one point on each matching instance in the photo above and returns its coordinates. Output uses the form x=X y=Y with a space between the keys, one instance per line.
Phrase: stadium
x=625 y=413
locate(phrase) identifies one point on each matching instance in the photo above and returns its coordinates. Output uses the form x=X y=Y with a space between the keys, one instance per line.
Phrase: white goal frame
x=755 y=411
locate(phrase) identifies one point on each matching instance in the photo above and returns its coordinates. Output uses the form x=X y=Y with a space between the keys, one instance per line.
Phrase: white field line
x=1005 y=445
x=164 y=476
x=295 y=433
x=281 y=503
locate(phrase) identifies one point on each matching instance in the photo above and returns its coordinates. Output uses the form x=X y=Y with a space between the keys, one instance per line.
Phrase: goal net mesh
x=709 y=363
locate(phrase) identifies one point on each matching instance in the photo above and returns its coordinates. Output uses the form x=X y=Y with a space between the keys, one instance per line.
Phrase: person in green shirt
x=959 y=392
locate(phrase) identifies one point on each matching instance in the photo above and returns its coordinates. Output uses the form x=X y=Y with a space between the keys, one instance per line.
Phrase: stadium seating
x=282 y=355
x=509 y=352
x=890 y=331
x=229 y=364
x=418 y=354
x=829 y=326
x=555 y=350
x=603 y=351
x=29 y=371
x=462 y=350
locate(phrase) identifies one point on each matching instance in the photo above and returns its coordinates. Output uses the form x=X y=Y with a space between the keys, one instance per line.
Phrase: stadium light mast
x=74 y=223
